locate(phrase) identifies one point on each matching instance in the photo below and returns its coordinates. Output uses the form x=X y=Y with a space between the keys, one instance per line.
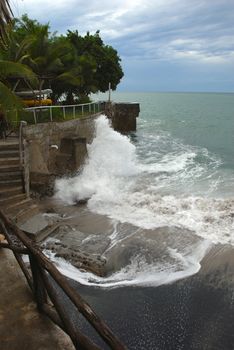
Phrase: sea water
x=168 y=188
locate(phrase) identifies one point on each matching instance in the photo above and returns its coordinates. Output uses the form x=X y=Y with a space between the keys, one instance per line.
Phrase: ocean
x=172 y=180
x=168 y=191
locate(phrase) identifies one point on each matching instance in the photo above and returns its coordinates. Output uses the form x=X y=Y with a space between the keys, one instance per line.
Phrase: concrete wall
x=123 y=116
x=57 y=149
x=45 y=141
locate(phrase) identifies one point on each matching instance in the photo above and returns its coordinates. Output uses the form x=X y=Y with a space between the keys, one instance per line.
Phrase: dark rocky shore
x=80 y=236
x=71 y=247
x=194 y=313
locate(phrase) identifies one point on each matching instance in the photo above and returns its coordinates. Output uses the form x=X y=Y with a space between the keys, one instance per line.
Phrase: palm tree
x=7 y=99
x=9 y=69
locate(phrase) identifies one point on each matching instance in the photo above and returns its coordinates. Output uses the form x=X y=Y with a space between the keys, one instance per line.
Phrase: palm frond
x=14 y=69
x=24 y=45
x=8 y=100
x=70 y=78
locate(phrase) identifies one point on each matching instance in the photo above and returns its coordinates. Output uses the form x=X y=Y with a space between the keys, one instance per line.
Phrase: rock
x=94 y=263
x=82 y=201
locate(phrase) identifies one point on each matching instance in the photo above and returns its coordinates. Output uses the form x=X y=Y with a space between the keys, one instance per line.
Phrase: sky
x=164 y=45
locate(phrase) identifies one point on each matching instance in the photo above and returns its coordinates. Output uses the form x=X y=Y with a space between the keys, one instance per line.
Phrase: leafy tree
x=107 y=62
x=72 y=65
x=9 y=69
x=12 y=54
x=41 y=55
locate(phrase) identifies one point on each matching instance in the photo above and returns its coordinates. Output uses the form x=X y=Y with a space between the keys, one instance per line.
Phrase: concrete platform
x=38 y=227
x=21 y=325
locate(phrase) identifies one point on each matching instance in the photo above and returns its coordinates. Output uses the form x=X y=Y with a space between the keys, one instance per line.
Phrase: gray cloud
x=160 y=29
x=198 y=32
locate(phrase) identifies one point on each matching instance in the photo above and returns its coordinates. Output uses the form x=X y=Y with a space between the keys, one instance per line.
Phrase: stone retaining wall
x=123 y=115
x=45 y=141
x=49 y=157
x=57 y=149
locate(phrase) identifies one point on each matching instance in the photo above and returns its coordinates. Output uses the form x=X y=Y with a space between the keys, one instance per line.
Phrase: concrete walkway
x=21 y=326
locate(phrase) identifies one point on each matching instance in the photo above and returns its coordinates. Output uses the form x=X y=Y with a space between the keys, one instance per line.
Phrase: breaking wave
x=158 y=182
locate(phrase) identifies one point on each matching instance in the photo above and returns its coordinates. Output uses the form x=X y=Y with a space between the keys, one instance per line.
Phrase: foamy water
x=158 y=182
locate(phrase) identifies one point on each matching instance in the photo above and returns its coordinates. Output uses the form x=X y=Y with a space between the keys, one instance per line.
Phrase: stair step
x=6 y=202
x=10 y=175
x=10 y=161
x=25 y=214
x=9 y=168
x=10 y=191
x=14 y=208
x=10 y=182
x=9 y=153
x=9 y=146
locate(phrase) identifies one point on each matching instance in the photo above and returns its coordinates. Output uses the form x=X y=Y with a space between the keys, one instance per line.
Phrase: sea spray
x=111 y=159
x=160 y=185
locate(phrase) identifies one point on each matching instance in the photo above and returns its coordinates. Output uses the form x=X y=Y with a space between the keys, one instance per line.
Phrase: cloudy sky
x=165 y=45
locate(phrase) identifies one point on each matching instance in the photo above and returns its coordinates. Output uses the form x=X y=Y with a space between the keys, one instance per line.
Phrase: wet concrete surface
x=21 y=325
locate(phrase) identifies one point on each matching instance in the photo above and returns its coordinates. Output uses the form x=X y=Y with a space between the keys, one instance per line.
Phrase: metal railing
x=50 y=287
x=63 y=112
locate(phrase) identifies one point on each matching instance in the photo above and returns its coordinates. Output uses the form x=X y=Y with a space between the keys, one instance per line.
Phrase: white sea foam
x=139 y=272
x=170 y=163
x=177 y=190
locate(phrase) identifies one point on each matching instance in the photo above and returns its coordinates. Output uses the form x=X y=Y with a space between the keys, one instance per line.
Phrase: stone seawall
x=123 y=115
x=57 y=149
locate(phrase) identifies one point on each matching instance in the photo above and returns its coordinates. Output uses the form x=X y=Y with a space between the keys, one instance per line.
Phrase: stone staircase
x=13 y=199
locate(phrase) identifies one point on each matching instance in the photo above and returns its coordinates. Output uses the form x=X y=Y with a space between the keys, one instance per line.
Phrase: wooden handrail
x=42 y=268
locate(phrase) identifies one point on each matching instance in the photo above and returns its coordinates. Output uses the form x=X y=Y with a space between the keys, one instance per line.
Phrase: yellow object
x=34 y=103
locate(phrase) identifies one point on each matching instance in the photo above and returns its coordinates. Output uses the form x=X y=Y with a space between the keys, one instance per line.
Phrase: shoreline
x=193 y=313
x=196 y=312
x=83 y=236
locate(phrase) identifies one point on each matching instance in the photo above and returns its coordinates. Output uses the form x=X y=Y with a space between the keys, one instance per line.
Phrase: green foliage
x=9 y=70
x=73 y=66
x=105 y=66
x=7 y=99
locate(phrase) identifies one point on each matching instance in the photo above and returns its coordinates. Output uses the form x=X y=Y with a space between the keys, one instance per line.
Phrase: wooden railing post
x=16 y=254
x=38 y=283
x=43 y=272
x=80 y=341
